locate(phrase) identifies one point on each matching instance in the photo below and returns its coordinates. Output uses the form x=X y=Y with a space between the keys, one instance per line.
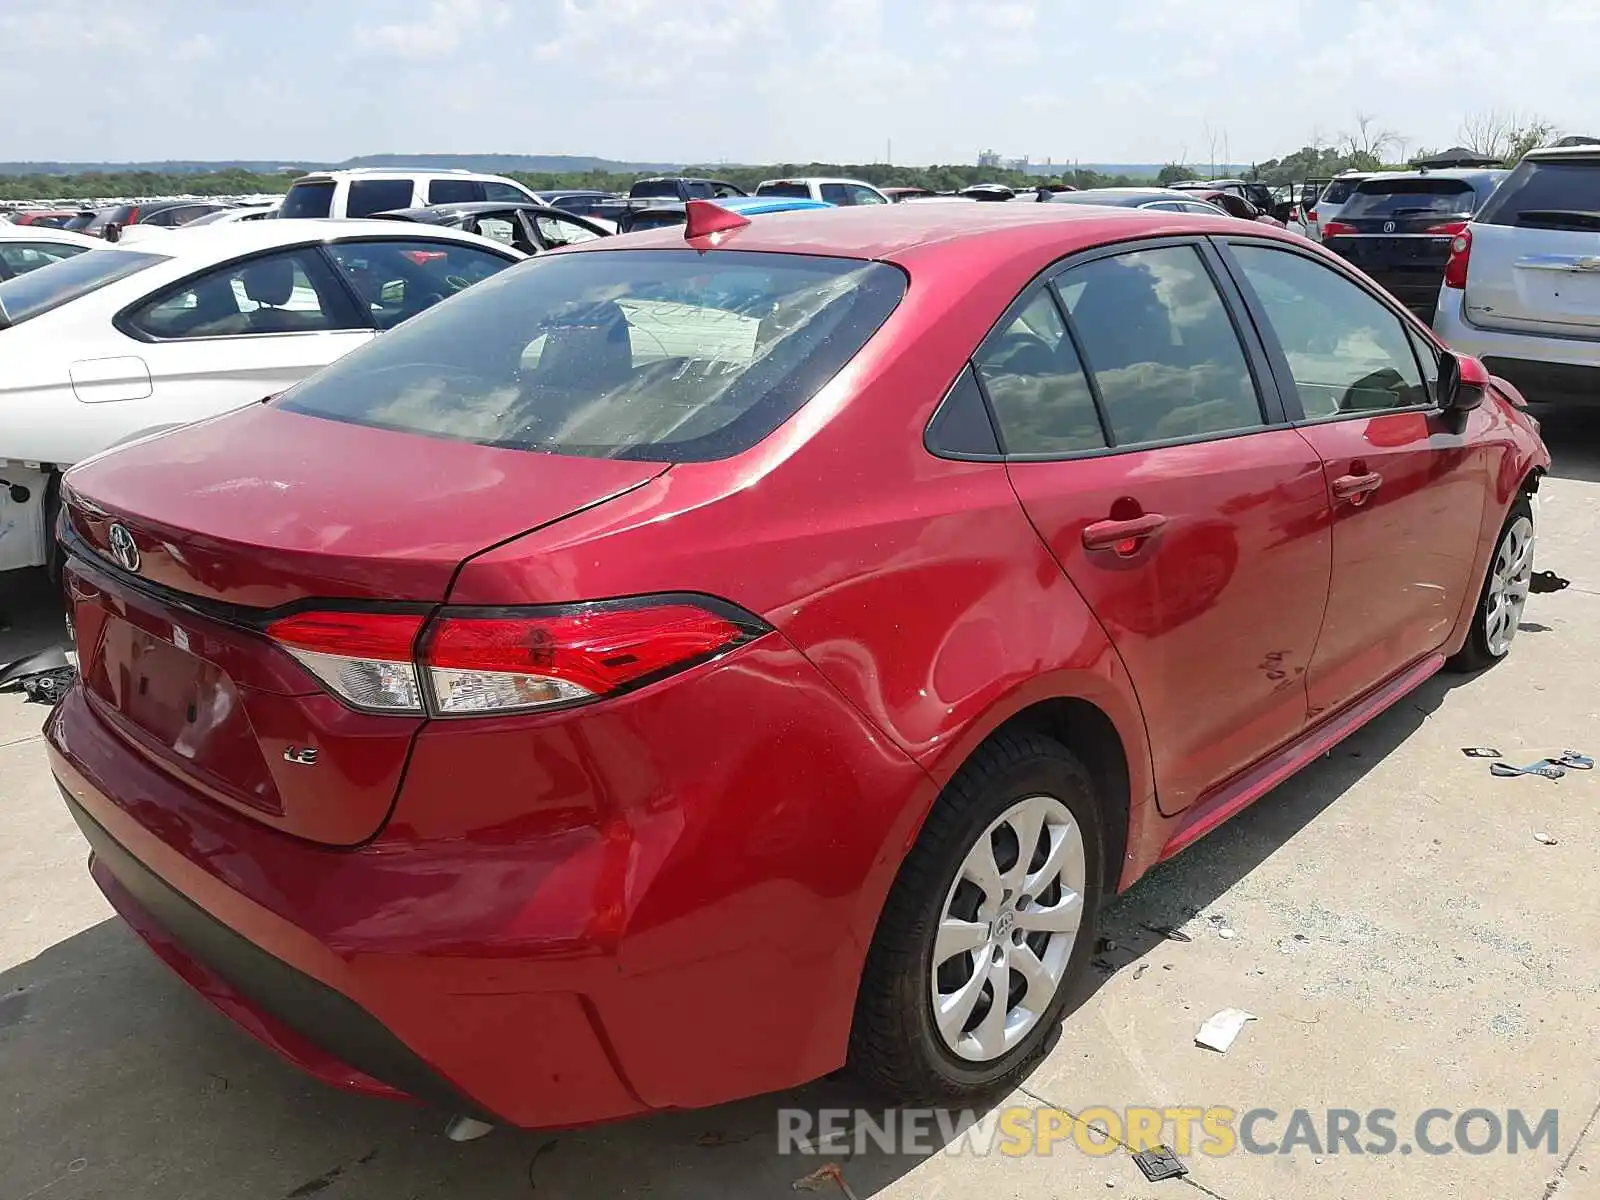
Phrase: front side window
x=399 y=279
x=288 y=292
x=368 y=196
x=1036 y=385
x=1161 y=346
x=658 y=355
x=1347 y=352
x=18 y=258
x=865 y=195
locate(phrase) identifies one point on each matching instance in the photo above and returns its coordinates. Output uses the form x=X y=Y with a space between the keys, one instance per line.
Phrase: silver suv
x=1522 y=288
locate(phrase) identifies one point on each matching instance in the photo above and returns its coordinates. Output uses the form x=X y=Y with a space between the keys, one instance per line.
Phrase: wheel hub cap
x=1510 y=576
x=1007 y=929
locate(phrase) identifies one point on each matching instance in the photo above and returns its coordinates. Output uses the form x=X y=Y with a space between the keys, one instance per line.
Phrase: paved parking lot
x=1403 y=938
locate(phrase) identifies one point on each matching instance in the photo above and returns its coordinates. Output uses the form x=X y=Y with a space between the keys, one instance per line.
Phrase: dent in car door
x=1196 y=533
x=1407 y=483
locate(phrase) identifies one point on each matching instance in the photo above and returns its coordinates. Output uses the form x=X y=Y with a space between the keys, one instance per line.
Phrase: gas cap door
x=103 y=380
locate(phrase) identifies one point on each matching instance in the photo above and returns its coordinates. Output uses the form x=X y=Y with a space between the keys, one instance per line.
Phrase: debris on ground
x=1547 y=581
x=1168 y=932
x=1480 y=752
x=1226 y=935
x=1544 y=768
x=819 y=1180
x=1160 y=1163
x=1574 y=760
x=43 y=677
x=714 y=1139
x=1138 y=972
x=1221 y=1028
x=1546 y=839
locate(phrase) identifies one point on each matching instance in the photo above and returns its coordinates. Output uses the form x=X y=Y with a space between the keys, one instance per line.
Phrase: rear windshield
x=1410 y=197
x=795 y=191
x=308 y=200
x=648 y=188
x=1548 y=194
x=52 y=286
x=663 y=355
x=657 y=220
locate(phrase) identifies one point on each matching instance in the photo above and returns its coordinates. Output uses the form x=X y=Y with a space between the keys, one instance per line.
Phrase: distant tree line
x=236 y=182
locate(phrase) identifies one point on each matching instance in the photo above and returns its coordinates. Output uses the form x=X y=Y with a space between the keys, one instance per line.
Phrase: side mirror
x=1463 y=382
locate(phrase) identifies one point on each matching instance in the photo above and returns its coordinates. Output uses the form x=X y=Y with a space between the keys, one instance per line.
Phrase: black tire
x=1476 y=654
x=894 y=1042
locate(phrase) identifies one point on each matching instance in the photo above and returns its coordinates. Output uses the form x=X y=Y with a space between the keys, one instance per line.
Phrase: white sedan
x=25 y=248
x=124 y=341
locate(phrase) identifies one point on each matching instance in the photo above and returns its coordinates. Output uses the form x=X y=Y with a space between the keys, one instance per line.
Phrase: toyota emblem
x=1388 y=226
x=122 y=547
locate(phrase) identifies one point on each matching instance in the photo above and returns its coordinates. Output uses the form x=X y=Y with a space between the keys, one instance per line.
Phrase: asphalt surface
x=1403 y=938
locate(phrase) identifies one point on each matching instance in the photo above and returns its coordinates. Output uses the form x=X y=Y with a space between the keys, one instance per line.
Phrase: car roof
x=48 y=233
x=1123 y=195
x=246 y=237
x=815 y=179
x=1032 y=235
x=397 y=173
x=1581 y=150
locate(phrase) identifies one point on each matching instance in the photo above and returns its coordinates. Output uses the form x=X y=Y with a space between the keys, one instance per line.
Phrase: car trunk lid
x=184 y=547
x=1535 y=280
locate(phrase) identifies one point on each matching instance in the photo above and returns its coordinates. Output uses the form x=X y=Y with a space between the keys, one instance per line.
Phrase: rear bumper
x=662 y=903
x=1554 y=369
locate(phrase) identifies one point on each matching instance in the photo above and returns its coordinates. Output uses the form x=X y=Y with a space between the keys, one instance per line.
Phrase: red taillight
x=1337 y=229
x=497 y=662
x=133 y=215
x=1455 y=270
x=1311 y=215
x=1449 y=227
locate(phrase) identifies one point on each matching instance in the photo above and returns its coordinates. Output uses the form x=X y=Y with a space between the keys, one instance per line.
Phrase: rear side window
x=368 y=196
x=834 y=193
x=400 y=279
x=1161 y=346
x=1548 y=194
x=308 y=200
x=667 y=356
x=1036 y=385
x=1410 y=198
x=502 y=193
x=1337 y=192
x=289 y=292
x=54 y=285
x=793 y=191
x=452 y=191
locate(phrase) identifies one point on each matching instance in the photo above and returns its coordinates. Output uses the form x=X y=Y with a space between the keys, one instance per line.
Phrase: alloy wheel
x=1509 y=580
x=1007 y=929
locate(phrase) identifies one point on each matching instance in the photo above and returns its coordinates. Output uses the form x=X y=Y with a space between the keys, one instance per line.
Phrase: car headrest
x=270 y=281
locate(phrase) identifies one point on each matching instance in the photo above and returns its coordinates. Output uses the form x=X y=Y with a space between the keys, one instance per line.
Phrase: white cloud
x=440 y=32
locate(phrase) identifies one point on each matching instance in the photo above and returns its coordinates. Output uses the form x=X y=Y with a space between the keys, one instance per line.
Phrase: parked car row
x=689 y=661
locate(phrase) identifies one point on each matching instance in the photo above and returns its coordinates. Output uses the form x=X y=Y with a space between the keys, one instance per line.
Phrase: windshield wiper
x=1583 y=218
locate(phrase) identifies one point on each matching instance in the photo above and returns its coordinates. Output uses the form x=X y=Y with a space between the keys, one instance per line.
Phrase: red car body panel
x=665 y=898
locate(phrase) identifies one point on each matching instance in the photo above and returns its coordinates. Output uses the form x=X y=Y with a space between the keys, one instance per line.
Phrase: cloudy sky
x=775 y=80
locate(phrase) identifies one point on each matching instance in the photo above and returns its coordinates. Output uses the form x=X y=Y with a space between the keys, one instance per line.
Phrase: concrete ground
x=1402 y=937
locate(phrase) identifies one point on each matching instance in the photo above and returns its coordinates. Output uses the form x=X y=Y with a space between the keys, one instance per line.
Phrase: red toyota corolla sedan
x=690 y=661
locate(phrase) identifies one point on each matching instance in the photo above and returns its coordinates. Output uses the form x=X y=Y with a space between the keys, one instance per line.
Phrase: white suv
x=1522 y=288
x=363 y=191
x=1332 y=201
x=843 y=192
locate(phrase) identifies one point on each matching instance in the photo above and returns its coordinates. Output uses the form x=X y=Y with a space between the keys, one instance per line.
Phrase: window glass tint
x=21 y=257
x=1410 y=197
x=1162 y=348
x=555 y=231
x=658 y=218
x=1036 y=385
x=1347 y=352
x=278 y=293
x=308 y=200
x=452 y=191
x=1338 y=192
x=657 y=355
x=834 y=193
x=399 y=279
x=794 y=191
x=502 y=193
x=55 y=284
x=1548 y=194
x=864 y=195
x=651 y=188
x=961 y=425
x=368 y=196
